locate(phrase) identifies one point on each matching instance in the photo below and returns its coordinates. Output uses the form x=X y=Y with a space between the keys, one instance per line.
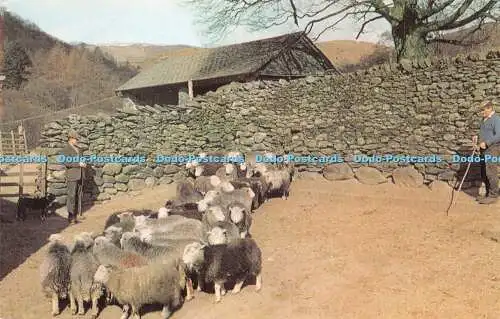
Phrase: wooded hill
x=45 y=74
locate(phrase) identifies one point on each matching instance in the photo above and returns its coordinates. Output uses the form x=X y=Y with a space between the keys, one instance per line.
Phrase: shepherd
x=489 y=146
x=74 y=178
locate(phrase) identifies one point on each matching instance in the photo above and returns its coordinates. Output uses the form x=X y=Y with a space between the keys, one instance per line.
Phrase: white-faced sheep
x=235 y=261
x=113 y=233
x=241 y=218
x=222 y=233
x=279 y=181
x=156 y=283
x=124 y=219
x=205 y=184
x=55 y=271
x=243 y=196
x=107 y=253
x=83 y=267
x=227 y=173
x=213 y=215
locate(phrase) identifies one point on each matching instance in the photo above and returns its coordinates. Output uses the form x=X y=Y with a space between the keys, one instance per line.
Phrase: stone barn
x=173 y=80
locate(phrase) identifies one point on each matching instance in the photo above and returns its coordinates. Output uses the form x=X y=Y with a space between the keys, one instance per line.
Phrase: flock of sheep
x=200 y=238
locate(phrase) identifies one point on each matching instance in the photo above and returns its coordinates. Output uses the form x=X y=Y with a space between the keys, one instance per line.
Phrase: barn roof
x=219 y=62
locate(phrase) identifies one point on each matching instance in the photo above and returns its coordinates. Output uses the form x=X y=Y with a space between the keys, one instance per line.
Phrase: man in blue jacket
x=489 y=144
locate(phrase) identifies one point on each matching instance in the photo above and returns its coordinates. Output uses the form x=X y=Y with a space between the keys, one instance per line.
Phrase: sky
x=142 y=21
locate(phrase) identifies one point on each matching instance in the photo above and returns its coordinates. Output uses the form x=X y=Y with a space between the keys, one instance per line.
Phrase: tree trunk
x=409 y=44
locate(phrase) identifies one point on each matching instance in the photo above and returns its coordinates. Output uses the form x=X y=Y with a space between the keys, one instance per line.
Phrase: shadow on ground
x=18 y=239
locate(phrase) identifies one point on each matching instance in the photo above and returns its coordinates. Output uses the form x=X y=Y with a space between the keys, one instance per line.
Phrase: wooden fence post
x=13 y=142
x=25 y=142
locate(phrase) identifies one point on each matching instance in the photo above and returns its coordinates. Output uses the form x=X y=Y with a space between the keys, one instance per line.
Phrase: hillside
x=346 y=54
x=61 y=76
x=340 y=52
x=136 y=53
x=486 y=39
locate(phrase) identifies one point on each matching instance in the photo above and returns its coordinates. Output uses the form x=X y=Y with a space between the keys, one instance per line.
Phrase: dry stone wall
x=415 y=107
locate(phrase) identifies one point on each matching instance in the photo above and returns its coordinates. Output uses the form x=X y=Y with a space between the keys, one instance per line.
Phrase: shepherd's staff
x=80 y=193
x=453 y=199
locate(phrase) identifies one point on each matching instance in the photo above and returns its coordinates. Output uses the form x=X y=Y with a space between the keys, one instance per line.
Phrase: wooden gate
x=19 y=179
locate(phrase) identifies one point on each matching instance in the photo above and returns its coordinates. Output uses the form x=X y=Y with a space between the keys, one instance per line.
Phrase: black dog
x=41 y=204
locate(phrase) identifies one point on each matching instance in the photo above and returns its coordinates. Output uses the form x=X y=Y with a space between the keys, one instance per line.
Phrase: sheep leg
x=165 y=313
x=243 y=234
x=189 y=290
x=55 y=304
x=222 y=290
x=258 y=282
x=95 y=309
x=237 y=287
x=81 y=309
x=217 y=292
x=135 y=311
x=72 y=303
x=201 y=282
x=125 y=310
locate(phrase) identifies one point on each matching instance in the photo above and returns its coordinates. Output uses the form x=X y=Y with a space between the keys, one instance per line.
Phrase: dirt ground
x=332 y=250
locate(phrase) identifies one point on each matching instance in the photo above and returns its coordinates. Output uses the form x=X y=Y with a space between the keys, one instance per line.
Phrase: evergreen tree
x=16 y=65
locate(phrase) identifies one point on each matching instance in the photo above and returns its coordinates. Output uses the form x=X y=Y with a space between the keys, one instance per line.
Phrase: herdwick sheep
x=156 y=253
x=243 y=196
x=107 y=253
x=113 y=233
x=185 y=193
x=213 y=215
x=241 y=218
x=258 y=186
x=125 y=220
x=204 y=184
x=55 y=271
x=279 y=181
x=156 y=283
x=235 y=261
x=222 y=233
x=83 y=267
x=227 y=173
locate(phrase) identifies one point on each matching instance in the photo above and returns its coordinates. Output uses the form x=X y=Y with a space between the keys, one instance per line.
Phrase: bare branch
x=311 y=23
x=452 y=21
x=294 y=10
x=366 y=23
x=431 y=10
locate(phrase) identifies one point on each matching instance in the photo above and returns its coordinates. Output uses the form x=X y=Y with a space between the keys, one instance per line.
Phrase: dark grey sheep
x=157 y=283
x=107 y=253
x=55 y=271
x=119 y=217
x=235 y=261
x=83 y=267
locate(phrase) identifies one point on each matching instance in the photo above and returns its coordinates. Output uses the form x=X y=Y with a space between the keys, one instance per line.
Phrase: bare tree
x=413 y=23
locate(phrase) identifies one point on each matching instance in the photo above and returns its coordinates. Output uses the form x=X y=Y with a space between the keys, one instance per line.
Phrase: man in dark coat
x=489 y=144
x=74 y=176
